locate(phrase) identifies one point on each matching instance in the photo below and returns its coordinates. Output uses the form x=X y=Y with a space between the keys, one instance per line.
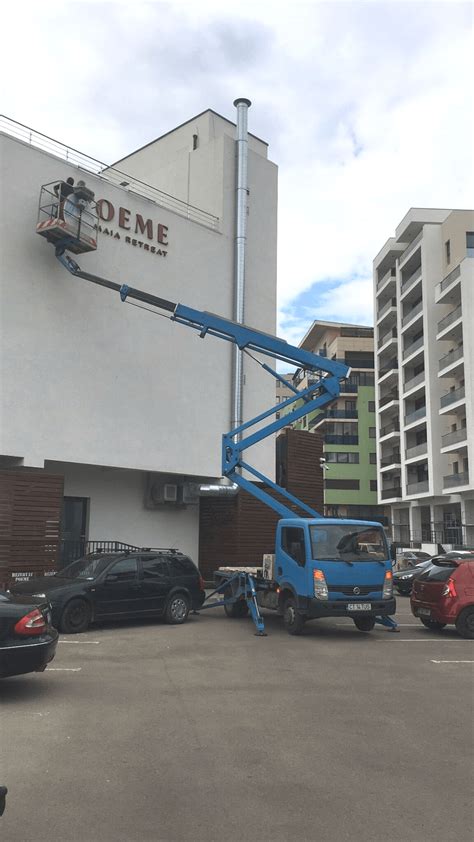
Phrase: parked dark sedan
x=111 y=586
x=27 y=640
x=403 y=579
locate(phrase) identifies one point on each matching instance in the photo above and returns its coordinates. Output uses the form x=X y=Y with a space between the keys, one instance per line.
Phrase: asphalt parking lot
x=151 y=732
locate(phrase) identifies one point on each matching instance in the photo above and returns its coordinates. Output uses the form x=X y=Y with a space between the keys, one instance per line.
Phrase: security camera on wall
x=322 y=462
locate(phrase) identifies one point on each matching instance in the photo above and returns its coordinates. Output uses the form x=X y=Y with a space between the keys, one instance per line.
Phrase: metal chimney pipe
x=242 y=105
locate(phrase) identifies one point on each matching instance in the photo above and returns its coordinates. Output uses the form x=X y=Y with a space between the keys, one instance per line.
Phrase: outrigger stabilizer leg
x=242 y=587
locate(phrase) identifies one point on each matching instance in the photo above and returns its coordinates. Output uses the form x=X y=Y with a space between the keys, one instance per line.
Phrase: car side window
x=154 y=567
x=292 y=541
x=125 y=570
x=182 y=567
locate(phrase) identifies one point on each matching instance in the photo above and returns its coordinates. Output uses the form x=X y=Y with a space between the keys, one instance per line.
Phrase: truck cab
x=328 y=567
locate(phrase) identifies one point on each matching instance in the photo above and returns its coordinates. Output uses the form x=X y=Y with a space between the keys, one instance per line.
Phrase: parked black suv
x=114 y=586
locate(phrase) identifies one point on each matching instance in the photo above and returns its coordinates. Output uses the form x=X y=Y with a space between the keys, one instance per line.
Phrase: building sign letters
x=155 y=234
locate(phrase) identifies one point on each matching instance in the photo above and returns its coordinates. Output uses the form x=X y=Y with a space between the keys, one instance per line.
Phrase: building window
x=351 y=406
x=371 y=406
x=373 y=485
x=470 y=243
x=372 y=433
x=343 y=484
x=447 y=247
x=373 y=458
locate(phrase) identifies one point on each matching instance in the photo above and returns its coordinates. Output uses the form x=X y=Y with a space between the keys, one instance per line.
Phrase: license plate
x=359 y=606
x=424 y=612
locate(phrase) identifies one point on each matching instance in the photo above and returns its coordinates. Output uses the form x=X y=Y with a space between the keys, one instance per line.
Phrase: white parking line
x=452 y=662
x=78 y=641
x=428 y=640
x=63 y=669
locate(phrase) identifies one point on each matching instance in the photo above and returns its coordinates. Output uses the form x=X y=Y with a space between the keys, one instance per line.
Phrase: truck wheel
x=75 y=617
x=294 y=622
x=236 y=610
x=465 y=623
x=432 y=624
x=364 y=624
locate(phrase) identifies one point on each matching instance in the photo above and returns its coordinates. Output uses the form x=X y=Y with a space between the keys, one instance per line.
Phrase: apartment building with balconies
x=348 y=425
x=424 y=367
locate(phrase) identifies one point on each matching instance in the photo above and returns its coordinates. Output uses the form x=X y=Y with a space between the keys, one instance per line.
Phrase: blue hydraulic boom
x=324 y=389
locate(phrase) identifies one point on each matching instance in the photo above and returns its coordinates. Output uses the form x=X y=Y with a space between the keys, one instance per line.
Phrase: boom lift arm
x=323 y=391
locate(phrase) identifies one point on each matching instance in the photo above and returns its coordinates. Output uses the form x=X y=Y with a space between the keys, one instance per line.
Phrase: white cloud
x=366 y=107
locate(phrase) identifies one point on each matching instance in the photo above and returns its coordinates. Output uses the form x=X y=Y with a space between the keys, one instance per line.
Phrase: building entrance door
x=73 y=528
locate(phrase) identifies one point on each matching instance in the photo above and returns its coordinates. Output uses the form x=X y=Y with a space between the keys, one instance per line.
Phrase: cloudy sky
x=367 y=108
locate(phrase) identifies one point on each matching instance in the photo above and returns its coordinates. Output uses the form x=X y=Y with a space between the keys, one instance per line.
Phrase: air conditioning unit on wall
x=160 y=492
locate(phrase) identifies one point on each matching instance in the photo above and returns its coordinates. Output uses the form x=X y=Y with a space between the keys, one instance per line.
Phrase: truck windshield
x=348 y=542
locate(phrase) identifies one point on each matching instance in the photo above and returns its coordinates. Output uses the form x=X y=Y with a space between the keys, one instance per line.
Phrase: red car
x=444 y=594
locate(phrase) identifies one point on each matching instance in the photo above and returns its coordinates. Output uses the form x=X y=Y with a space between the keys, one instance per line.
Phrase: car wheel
x=75 y=618
x=364 y=624
x=465 y=623
x=237 y=610
x=294 y=622
x=177 y=609
x=432 y=624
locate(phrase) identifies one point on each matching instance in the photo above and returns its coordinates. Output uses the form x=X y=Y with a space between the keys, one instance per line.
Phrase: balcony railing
x=393 y=459
x=453 y=480
x=414 y=312
x=392 y=302
x=454 y=437
x=331 y=438
x=331 y=414
x=390 y=428
x=391 y=334
x=389 y=493
x=452 y=397
x=418 y=487
x=411 y=280
x=415 y=416
x=413 y=347
x=450 y=278
x=451 y=357
x=392 y=396
x=391 y=366
x=418 y=450
x=450 y=318
x=349 y=388
x=415 y=381
x=410 y=247
x=390 y=274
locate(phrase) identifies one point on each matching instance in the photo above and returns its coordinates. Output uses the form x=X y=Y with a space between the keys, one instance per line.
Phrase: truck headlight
x=387 y=592
x=319 y=584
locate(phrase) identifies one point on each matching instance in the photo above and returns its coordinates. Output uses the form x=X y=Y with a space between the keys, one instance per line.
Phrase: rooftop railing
x=108 y=174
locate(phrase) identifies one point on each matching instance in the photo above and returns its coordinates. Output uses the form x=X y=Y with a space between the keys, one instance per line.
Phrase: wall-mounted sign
x=152 y=232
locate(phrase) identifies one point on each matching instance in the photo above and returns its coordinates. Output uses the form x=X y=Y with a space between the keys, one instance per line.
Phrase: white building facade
x=424 y=313
x=119 y=401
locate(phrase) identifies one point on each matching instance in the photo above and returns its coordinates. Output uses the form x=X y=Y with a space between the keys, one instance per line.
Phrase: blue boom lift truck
x=321 y=567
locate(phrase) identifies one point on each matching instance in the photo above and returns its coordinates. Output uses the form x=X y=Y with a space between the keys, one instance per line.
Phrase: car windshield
x=348 y=542
x=85 y=568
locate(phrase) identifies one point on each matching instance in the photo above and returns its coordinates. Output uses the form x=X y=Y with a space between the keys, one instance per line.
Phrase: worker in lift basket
x=62 y=191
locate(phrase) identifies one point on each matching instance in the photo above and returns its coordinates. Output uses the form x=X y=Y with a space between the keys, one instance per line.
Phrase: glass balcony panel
x=418 y=487
x=454 y=437
x=418 y=450
x=450 y=318
x=453 y=480
x=415 y=416
x=452 y=397
x=410 y=349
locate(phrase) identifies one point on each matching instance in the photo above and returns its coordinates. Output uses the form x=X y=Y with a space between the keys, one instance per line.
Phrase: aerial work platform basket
x=67 y=216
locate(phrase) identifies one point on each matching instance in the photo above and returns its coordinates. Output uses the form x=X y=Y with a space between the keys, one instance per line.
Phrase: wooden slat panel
x=30 y=521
